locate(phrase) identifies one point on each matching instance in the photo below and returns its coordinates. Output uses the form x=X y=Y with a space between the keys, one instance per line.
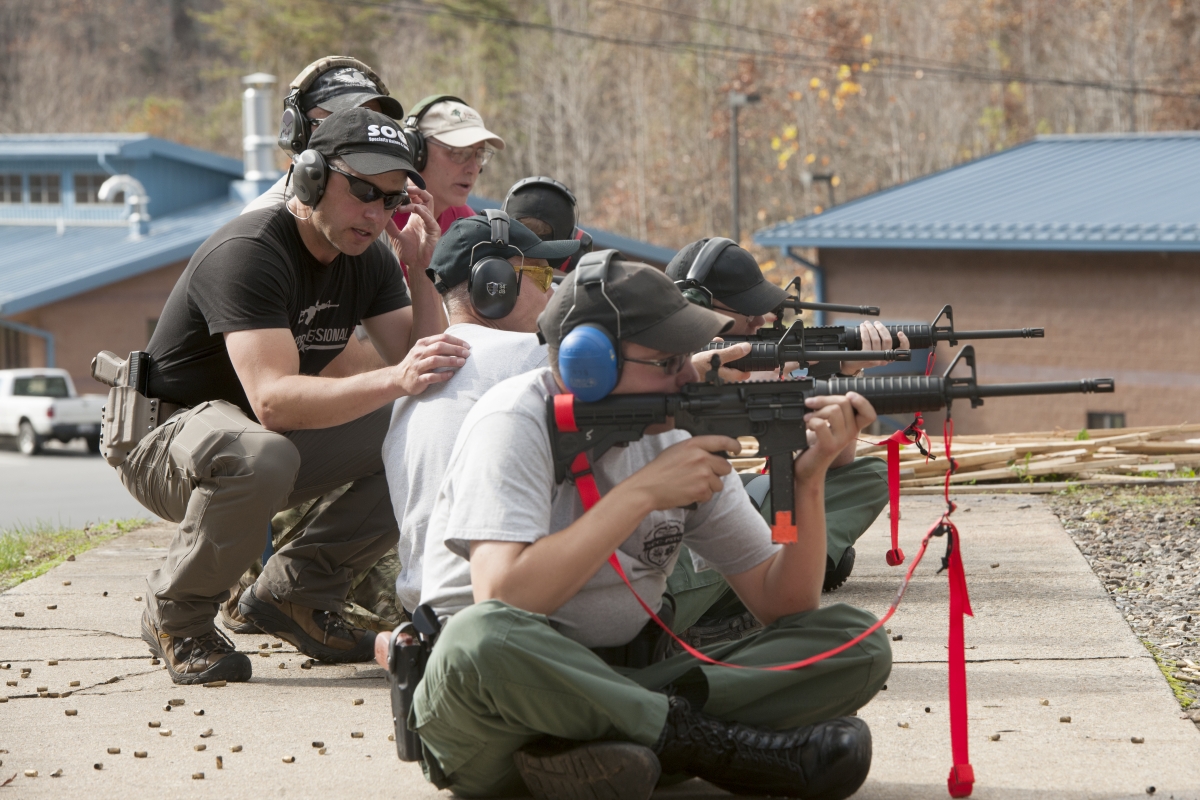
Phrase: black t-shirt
x=256 y=273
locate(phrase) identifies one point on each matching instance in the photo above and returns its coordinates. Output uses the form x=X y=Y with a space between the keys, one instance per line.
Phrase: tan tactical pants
x=222 y=476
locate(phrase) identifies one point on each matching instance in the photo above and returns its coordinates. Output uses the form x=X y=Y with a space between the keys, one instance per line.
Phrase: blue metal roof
x=1117 y=192
x=602 y=240
x=39 y=266
x=110 y=145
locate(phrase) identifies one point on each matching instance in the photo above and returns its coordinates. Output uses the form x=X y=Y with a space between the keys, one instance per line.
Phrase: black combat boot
x=826 y=761
x=837 y=574
x=557 y=769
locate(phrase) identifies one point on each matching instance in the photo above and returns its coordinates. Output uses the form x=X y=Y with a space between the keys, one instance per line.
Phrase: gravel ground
x=1143 y=544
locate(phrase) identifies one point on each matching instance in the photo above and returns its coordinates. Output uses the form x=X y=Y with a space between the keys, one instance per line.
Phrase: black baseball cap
x=734 y=279
x=452 y=257
x=653 y=312
x=369 y=142
x=545 y=199
x=347 y=87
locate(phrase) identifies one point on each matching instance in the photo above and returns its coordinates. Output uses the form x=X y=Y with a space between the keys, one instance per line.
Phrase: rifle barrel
x=766 y=356
x=1010 y=333
x=903 y=394
x=866 y=311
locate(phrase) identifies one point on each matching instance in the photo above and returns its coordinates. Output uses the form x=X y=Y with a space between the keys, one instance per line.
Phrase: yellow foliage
x=835 y=181
x=866 y=66
x=795 y=95
x=823 y=94
x=767 y=266
x=848 y=88
x=810 y=158
x=776 y=143
x=867 y=39
x=843 y=72
x=815 y=83
x=789 y=132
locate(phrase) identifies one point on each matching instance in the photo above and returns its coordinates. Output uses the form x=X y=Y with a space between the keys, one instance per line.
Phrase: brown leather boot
x=231 y=616
x=322 y=635
x=196 y=659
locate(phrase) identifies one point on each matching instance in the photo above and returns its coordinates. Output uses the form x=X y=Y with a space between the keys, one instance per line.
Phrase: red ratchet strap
x=913 y=434
x=962 y=776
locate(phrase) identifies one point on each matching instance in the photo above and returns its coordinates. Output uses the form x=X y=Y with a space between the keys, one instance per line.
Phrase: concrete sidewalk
x=1043 y=629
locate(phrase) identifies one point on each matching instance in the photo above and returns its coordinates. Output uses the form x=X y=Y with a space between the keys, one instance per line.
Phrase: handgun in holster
x=128 y=414
x=406 y=667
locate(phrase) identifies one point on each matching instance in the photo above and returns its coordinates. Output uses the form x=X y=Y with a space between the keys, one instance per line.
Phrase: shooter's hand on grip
x=687 y=472
x=875 y=336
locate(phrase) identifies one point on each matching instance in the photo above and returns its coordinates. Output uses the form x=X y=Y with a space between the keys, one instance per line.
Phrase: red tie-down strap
x=913 y=434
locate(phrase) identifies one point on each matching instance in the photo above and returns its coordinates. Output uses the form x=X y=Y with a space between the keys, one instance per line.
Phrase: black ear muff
x=412 y=133
x=309 y=177
x=494 y=284
x=294 y=127
x=692 y=286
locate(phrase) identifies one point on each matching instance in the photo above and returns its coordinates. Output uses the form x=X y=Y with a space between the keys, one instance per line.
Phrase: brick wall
x=114 y=317
x=1134 y=317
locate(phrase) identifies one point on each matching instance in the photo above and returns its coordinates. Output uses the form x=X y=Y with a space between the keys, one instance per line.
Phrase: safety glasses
x=670 y=366
x=542 y=276
x=459 y=155
x=368 y=192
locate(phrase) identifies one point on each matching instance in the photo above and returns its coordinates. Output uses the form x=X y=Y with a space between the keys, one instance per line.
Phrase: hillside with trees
x=626 y=100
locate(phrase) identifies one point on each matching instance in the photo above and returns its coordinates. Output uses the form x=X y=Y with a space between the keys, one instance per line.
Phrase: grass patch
x=26 y=552
x=1167 y=667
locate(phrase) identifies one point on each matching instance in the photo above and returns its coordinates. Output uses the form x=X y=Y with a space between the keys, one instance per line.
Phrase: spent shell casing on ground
x=356 y=734
x=214 y=684
x=199 y=747
x=71 y=712
x=73 y=683
x=139 y=754
x=220 y=762
x=197 y=776
x=155 y=724
x=56 y=774
x=289 y=759
x=358 y=701
x=237 y=748
x=207 y=732
x=31 y=773
x=114 y=751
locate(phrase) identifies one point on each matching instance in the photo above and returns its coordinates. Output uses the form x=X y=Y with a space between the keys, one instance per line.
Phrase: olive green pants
x=854 y=496
x=500 y=677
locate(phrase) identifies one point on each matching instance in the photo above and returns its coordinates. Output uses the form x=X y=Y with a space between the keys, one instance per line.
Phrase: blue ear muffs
x=588 y=362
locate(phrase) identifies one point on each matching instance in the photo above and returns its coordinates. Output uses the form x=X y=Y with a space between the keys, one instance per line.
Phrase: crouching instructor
x=250 y=429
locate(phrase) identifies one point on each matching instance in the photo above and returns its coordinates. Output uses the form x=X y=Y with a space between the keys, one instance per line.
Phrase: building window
x=13 y=350
x=1106 y=419
x=87 y=189
x=10 y=188
x=45 y=189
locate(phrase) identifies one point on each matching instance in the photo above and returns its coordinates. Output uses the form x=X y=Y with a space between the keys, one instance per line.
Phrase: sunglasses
x=367 y=192
x=542 y=276
x=670 y=366
x=460 y=155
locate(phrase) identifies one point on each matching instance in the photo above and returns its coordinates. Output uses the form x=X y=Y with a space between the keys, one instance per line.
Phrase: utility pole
x=736 y=101
x=1132 y=39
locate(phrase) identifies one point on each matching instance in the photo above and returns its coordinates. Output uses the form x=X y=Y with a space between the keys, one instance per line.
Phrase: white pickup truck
x=40 y=404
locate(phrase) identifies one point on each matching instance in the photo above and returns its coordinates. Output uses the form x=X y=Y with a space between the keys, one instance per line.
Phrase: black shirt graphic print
x=255 y=273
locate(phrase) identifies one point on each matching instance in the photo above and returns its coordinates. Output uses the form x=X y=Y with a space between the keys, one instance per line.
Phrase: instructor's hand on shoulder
x=687 y=472
x=431 y=360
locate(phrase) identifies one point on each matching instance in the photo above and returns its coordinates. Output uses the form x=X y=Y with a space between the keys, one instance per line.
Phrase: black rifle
x=794 y=303
x=793 y=347
x=772 y=412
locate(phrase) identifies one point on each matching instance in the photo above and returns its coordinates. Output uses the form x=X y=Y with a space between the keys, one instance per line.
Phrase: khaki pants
x=222 y=476
x=500 y=677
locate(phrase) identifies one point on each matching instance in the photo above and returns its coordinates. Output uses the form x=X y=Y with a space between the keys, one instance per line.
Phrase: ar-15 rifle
x=772 y=412
x=793 y=347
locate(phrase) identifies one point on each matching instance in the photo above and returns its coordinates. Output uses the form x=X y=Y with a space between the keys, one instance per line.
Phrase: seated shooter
x=855 y=488
x=535 y=681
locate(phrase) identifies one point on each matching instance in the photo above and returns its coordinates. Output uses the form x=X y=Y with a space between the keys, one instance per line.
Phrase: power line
x=730 y=52
x=905 y=61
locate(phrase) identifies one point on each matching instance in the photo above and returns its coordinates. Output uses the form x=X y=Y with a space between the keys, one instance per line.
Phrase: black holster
x=406 y=667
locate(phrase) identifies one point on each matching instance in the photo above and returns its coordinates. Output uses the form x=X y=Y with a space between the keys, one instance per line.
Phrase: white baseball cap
x=457 y=125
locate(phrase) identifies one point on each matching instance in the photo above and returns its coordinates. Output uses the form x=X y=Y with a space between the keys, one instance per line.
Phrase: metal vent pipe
x=258 y=141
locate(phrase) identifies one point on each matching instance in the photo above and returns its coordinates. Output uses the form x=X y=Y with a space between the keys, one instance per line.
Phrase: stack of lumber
x=1017 y=458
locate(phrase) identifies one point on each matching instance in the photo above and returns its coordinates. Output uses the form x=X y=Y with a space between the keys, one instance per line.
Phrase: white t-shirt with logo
x=499 y=486
x=421 y=436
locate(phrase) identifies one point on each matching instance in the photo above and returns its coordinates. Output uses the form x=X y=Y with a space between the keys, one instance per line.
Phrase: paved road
x=64 y=486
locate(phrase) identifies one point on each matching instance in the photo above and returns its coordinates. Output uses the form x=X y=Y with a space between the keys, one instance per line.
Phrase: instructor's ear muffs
x=412 y=133
x=309 y=176
x=589 y=356
x=494 y=284
x=295 y=128
x=692 y=286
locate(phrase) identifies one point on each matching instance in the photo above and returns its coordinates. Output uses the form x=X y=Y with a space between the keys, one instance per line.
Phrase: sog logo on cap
x=385 y=133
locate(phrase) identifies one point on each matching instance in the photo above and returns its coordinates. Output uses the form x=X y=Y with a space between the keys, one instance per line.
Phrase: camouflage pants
x=372 y=602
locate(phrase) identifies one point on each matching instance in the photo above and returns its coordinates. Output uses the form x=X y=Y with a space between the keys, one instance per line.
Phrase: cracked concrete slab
x=1043 y=630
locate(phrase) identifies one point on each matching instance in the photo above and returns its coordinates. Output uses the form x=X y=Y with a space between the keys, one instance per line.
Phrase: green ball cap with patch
x=653 y=312
x=452 y=258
